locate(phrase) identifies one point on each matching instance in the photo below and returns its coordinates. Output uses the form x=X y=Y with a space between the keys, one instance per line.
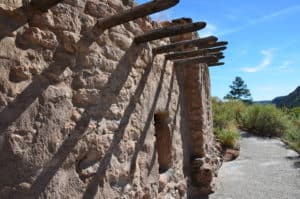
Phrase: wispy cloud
x=266 y=61
x=262 y=19
x=284 y=11
x=286 y=65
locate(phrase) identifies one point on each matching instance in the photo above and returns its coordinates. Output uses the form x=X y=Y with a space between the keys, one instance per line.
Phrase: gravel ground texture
x=265 y=169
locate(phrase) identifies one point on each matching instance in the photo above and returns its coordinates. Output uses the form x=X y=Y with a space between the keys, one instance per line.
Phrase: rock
x=182 y=189
x=33 y=36
x=230 y=154
x=70 y=40
x=99 y=9
x=19 y=73
x=76 y=116
x=121 y=40
x=57 y=92
x=25 y=186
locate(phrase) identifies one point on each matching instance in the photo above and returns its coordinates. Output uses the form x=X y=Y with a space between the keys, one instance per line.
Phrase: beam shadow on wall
x=184 y=125
x=149 y=120
x=120 y=75
x=174 y=122
x=35 y=89
x=97 y=180
x=39 y=83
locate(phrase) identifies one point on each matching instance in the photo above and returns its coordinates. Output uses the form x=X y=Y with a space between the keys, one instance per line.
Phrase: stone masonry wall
x=77 y=113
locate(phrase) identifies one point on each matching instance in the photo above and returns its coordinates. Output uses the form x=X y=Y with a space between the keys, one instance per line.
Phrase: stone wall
x=77 y=113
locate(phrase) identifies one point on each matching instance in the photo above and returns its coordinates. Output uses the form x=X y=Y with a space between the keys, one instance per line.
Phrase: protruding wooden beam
x=215 y=64
x=184 y=54
x=195 y=53
x=215 y=50
x=185 y=44
x=213 y=45
x=132 y=14
x=43 y=5
x=169 y=31
x=196 y=60
x=220 y=54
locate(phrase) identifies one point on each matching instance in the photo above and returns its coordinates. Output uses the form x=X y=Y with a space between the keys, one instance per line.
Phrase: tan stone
x=36 y=36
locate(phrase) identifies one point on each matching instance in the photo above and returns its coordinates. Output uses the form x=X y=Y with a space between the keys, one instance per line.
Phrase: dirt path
x=266 y=169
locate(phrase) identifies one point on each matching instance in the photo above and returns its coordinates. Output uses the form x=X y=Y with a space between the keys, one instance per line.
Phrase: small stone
x=25 y=185
x=19 y=73
x=76 y=116
x=182 y=189
x=70 y=40
x=34 y=36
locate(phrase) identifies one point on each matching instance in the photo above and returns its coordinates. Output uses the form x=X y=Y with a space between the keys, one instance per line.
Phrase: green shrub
x=227 y=112
x=296 y=112
x=228 y=137
x=292 y=134
x=225 y=116
x=261 y=120
x=264 y=120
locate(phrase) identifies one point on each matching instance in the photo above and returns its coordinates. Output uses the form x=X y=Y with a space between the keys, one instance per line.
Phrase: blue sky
x=264 y=42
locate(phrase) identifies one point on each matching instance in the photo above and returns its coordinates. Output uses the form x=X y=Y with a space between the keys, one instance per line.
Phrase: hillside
x=291 y=100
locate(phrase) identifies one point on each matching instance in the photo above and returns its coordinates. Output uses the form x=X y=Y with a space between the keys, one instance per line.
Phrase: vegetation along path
x=264 y=169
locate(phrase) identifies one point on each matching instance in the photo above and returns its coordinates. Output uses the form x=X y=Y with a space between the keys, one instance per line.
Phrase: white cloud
x=281 y=12
x=266 y=61
x=209 y=30
x=262 y=19
x=285 y=65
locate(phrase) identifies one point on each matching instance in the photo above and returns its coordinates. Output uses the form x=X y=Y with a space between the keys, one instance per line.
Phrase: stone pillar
x=195 y=84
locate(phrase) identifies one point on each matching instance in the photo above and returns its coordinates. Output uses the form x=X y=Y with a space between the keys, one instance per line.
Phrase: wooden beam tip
x=216 y=64
x=200 y=24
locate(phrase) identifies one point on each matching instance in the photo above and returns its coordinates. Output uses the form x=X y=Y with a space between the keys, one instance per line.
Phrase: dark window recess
x=163 y=141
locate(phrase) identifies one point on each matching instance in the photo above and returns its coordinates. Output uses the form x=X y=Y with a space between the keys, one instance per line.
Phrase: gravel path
x=265 y=169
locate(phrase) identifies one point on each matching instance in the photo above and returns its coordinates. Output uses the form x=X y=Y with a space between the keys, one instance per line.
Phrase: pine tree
x=239 y=91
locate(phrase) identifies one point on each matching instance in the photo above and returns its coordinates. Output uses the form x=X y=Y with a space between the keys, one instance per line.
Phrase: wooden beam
x=169 y=31
x=44 y=5
x=219 y=54
x=184 y=54
x=196 y=60
x=195 y=53
x=215 y=64
x=217 y=44
x=215 y=50
x=132 y=14
x=184 y=44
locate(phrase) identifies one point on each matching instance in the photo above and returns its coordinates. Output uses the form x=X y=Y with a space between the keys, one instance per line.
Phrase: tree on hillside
x=239 y=91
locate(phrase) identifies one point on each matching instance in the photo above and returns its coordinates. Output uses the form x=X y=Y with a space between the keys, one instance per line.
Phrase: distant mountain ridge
x=291 y=100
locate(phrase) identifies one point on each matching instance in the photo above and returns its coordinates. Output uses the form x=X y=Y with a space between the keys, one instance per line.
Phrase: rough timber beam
x=215 y=50
x=184 y=54
x=132 y=14
x=213 y=45
x=218 y=55
x=185 y=44
x=194 y=53
x=215 y=64
x=196 y=60
x=221 y=57
x=169 y=31
x=44 y=5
